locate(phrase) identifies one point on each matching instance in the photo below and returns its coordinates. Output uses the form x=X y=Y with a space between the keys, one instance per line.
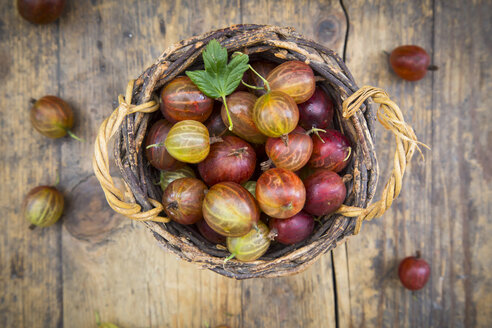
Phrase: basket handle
x=391 y=117
x=100 y=161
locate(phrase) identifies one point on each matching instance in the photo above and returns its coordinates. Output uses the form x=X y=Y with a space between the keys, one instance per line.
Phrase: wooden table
x=96 y=260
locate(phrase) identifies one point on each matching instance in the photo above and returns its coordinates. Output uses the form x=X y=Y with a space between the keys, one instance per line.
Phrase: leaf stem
x=228 y=114
x=265 y=82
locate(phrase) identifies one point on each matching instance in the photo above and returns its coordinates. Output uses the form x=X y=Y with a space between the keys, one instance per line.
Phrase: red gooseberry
x=182 y=100
x=280 y=193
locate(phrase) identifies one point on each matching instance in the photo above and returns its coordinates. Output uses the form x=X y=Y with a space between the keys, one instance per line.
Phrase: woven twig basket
x=354 y=117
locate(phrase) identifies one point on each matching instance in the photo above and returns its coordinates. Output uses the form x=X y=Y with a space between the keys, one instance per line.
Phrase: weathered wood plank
x=369 y=261
x=322 y=21
x=303 y=300
x=443 y=206
x=461 y=180
x=113 y=266
x=30 y=261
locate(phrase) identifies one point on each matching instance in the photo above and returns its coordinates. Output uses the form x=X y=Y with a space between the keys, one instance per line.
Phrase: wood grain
x=386 y=240
x=322 y=20
x=30 y=261
x=444 y=202
x=461 y=184
x=99 y=261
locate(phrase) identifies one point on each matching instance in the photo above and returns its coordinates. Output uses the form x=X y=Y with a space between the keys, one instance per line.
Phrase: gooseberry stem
x=156 y=145
x=288 y=207
x=230 y=257
x=252 y=86
x=348 y=155
x=214 y=139
x=316 y=132
x=272 y=234
x=98 y=319
x=265 y=82
x=266 y=165
x=285 y=139
x=57 y=179
x=255 y=226
x=172 y=205
x=71 y=134
x=237 y=152
x=227 y=112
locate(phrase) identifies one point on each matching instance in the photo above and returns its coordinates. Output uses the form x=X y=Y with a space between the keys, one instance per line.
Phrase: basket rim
x=286 y=43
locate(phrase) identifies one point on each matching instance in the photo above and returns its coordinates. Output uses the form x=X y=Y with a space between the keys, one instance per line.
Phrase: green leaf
x=234 y=73
x=205 y=82
x=215 y=57
x=219 y=79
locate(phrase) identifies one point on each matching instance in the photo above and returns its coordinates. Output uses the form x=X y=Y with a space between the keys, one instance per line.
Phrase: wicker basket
x=354 y=117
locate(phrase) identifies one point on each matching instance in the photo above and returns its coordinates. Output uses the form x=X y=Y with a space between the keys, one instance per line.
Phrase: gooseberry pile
x=248 y=169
